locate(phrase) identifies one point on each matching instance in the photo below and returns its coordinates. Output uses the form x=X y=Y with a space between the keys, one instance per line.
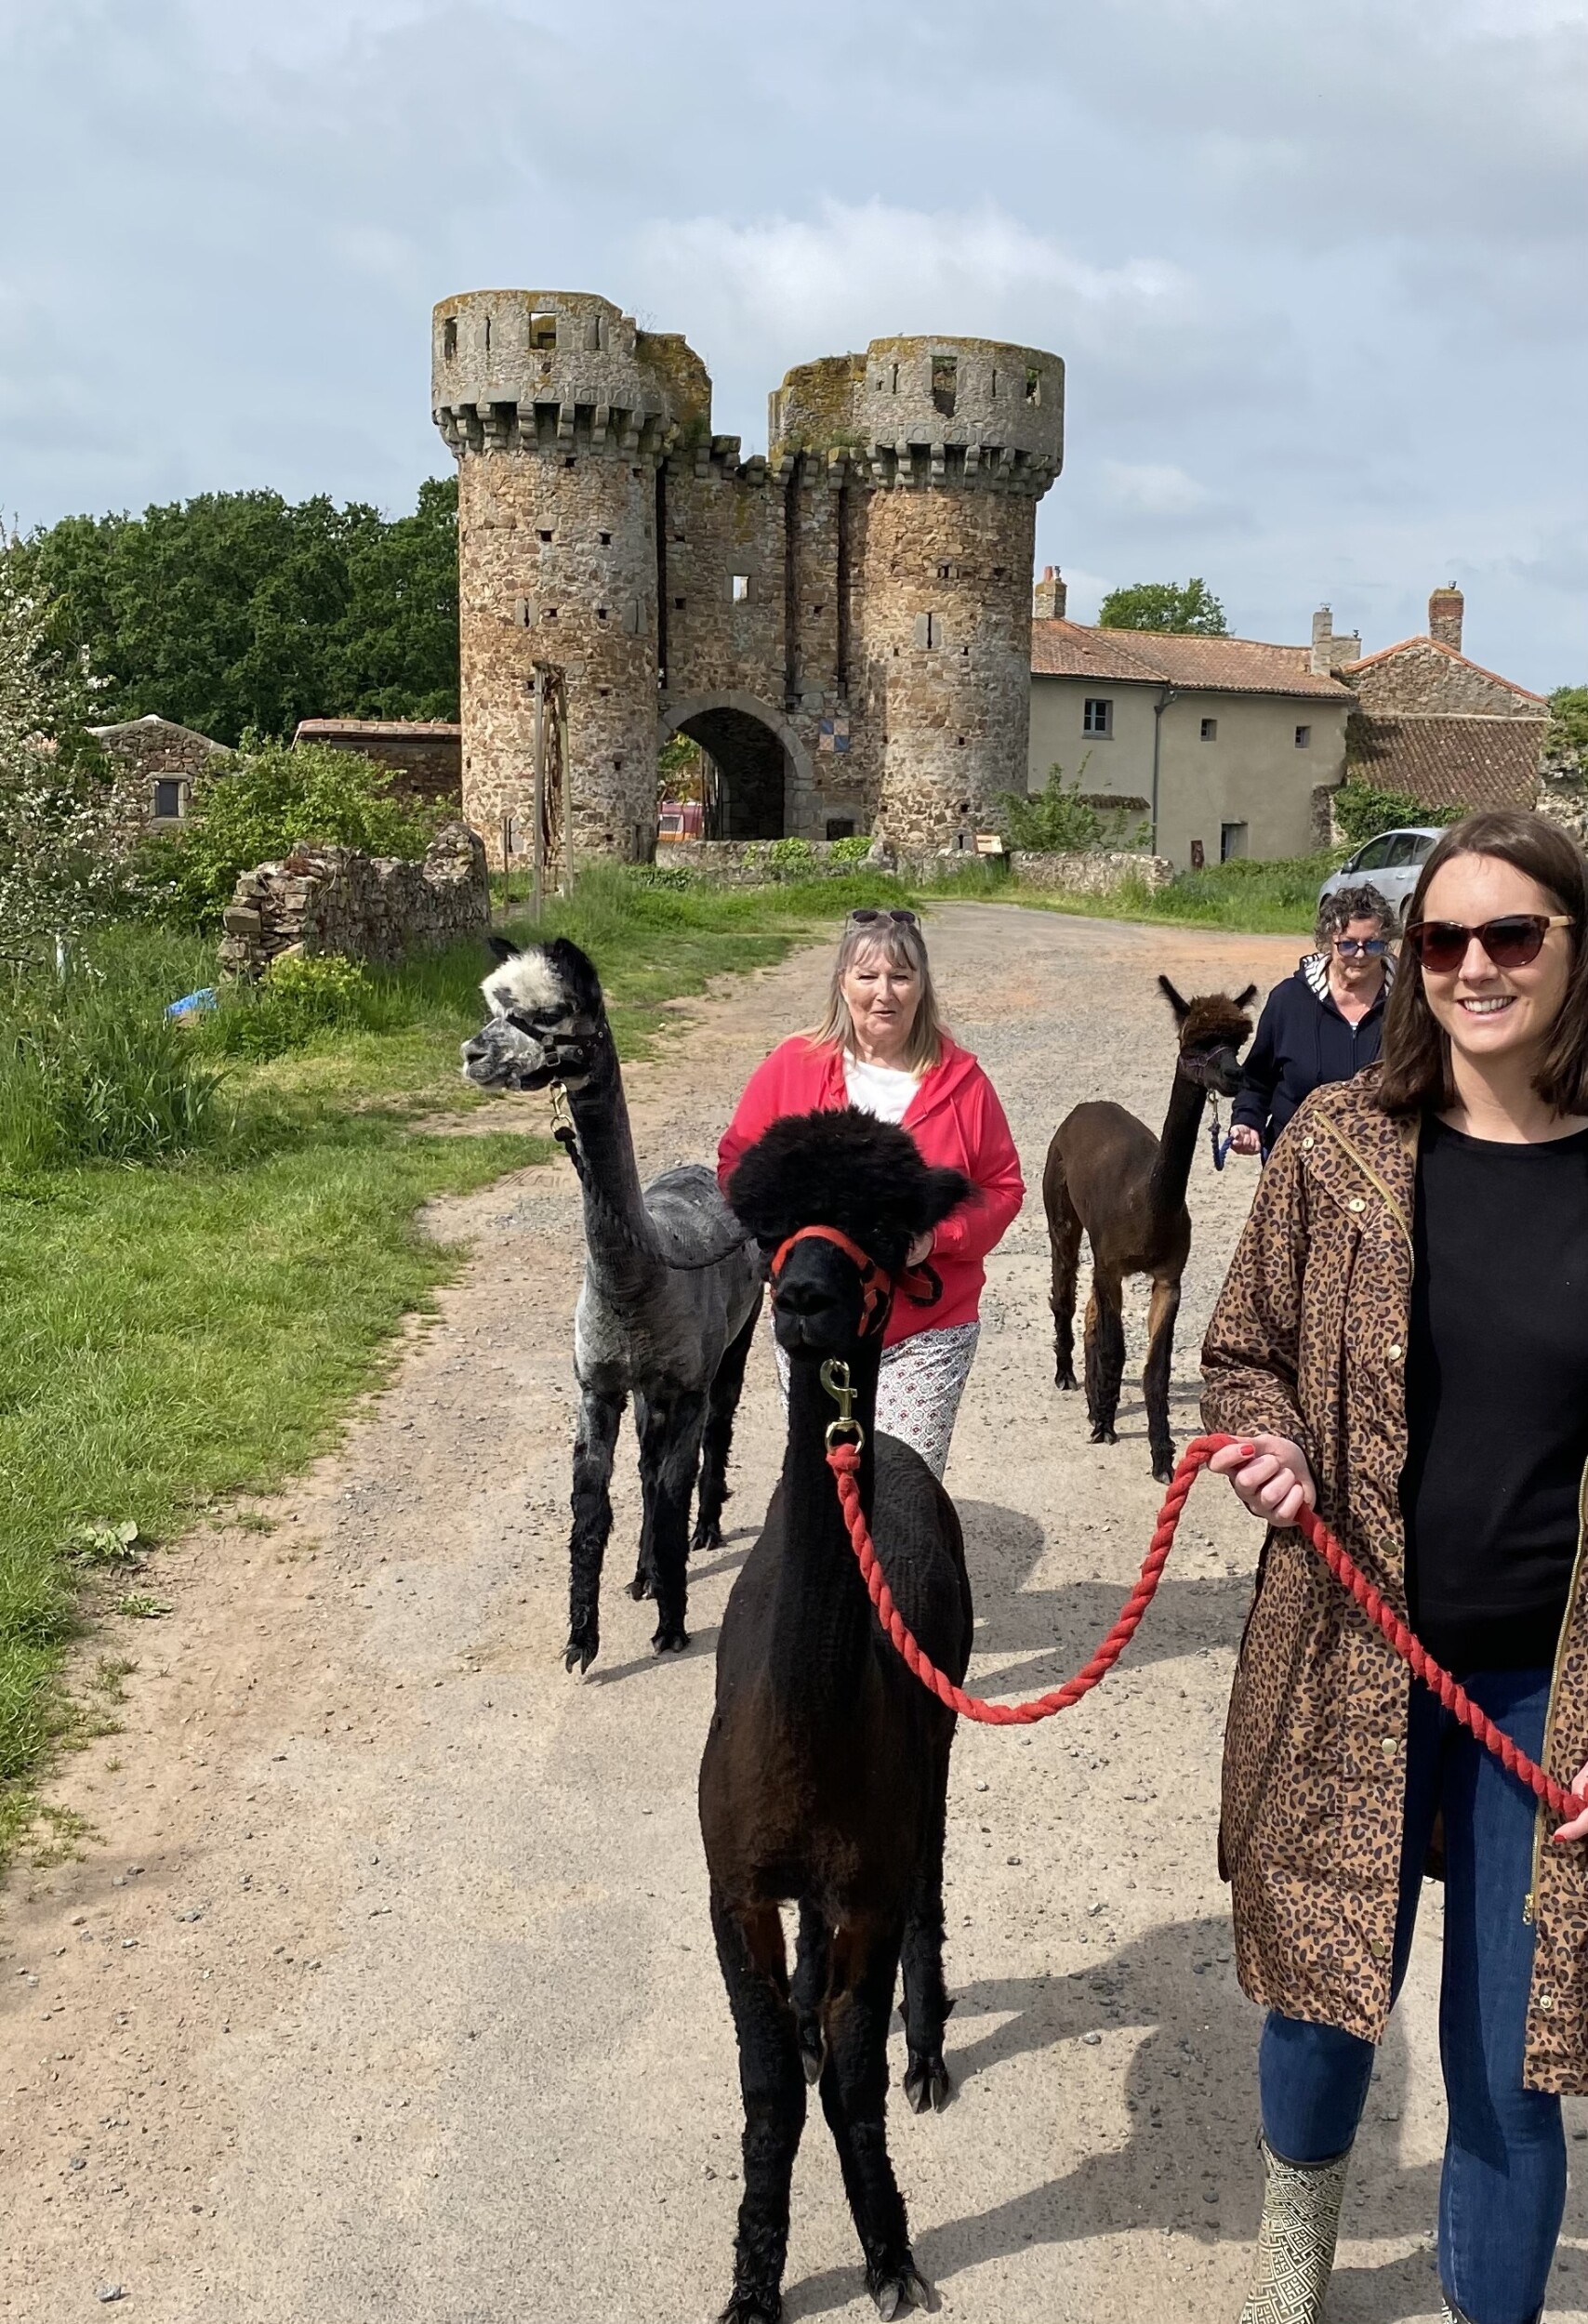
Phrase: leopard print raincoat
x=1308 y=1341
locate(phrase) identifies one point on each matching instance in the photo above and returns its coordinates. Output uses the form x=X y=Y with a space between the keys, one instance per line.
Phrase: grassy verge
x=178 y=1333
x=1249 y=897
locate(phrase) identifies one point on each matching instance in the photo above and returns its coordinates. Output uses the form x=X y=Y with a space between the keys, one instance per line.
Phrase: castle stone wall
x=862 y=591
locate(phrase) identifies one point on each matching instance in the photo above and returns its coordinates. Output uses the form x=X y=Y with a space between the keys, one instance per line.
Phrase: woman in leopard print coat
x=1415 y=1233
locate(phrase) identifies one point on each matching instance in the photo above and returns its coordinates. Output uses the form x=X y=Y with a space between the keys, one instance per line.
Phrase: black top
x=1496 y=1396
x=1303 y=1041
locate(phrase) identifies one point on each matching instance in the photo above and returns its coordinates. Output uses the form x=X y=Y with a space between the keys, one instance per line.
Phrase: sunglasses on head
x=870 y=913
x=1349 y=946
x=1510 y=943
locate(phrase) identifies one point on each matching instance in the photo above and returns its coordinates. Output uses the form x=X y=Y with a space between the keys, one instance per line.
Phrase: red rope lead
x=844 y=1461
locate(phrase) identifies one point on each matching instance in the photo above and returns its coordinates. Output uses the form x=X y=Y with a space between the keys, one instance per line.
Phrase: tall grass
x=92 y=1071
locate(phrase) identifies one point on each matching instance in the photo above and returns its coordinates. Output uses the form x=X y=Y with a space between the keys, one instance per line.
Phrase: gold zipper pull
x=1528 y=1909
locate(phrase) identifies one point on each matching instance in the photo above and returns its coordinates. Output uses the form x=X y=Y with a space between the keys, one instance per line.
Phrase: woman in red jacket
x=883 y=1047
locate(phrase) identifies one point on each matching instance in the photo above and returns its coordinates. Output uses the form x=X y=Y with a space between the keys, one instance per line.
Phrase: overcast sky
x=1317 y=271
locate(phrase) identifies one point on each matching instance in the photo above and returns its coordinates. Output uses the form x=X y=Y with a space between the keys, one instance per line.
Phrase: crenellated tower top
x=538 y=366
x=930 y=411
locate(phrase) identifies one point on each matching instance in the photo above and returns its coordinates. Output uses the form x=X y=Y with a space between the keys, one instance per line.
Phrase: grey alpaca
x=673 y=1336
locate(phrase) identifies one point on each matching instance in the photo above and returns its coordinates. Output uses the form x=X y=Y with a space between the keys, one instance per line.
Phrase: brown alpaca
x=1107 y=1174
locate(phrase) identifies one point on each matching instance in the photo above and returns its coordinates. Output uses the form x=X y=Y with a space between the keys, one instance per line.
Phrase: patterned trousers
x=917 y=1395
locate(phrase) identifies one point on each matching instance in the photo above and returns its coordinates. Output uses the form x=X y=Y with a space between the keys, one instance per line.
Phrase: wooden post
x=567 y=790
x=539 y=793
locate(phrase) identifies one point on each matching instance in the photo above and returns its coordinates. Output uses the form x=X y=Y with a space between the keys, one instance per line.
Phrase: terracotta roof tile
x=1150 y=657
x=1462 y=762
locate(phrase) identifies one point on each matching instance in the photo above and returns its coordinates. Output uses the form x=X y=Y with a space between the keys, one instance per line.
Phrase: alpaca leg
x=722 y=1404
x=670 y=1456
x=927 y=2005
x=1155 y=1379
x=854 y=2093
x=1104 y=1357
x=750 y=1949
x=812 y=1965
x=1063 y=1247
x=595 y=1440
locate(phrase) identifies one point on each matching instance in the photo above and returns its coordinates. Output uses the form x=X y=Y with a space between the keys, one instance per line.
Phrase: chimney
x=1049 y=596
x=1330 y=647
x=1445 y=609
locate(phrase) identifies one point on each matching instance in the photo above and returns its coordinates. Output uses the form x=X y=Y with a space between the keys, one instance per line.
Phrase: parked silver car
x=1391 y=864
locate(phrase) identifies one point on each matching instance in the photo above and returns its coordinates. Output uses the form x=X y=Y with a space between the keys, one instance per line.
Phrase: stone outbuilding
x=155 y=761
x=1433 y=724
x=425 y=755
x=841 y=622
x=1239 y=743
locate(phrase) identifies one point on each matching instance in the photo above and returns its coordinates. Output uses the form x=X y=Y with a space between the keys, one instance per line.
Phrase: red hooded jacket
x=957 y=1123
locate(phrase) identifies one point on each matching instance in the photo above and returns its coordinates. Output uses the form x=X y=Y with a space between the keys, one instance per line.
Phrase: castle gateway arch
x=842 y=622
x=762 y=770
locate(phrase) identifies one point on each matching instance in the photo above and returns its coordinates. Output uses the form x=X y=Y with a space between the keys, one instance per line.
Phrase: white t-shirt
x=883 y=1090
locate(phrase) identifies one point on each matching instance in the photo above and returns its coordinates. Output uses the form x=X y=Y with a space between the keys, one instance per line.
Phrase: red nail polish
x=1249 y=1452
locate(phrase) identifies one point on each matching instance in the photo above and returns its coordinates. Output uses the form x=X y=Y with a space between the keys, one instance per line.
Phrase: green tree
x=1566 y=746
x=1362 y=810
x=1186 y=608
x=1058 y=820
x=243 y=611
x=60 y=856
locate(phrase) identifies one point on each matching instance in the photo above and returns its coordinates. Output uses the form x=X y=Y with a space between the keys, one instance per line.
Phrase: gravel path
x=389 y=1995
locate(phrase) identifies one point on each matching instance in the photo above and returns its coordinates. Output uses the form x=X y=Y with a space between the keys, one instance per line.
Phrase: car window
x=1422 y=845
x=1376 y=855
x=1401 y=850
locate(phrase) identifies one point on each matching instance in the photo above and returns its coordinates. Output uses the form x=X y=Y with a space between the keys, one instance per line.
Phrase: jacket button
x=1389 y=1746
x=1306 y=1146
x=1546 y=2003
x=1395 y=1350
x=1356 y=1203
x=1381 y=1951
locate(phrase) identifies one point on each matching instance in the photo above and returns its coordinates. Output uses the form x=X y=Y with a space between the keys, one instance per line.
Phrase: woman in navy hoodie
x=1322 y=1024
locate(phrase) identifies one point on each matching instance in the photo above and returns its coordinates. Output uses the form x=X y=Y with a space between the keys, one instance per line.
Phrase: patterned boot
x=1295 y=2242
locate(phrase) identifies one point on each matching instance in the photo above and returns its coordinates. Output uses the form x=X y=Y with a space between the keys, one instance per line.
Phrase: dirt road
x=390 y=1994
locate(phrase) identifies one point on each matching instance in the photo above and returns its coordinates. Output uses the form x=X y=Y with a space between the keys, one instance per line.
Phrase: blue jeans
x=1503 y=2186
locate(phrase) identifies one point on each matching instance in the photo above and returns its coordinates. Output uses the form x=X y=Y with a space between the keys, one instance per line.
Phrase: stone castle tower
x=843 y=624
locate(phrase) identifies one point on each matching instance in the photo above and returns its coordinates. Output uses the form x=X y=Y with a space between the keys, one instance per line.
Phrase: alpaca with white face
x=670 y=1299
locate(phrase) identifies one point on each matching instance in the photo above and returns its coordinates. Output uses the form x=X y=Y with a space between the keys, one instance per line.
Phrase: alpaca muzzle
x=923 y=1285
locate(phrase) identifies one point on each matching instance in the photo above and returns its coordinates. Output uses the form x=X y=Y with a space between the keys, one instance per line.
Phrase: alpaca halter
x=920 y=1285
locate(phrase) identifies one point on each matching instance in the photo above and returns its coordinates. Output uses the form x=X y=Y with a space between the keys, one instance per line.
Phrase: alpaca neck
x=823 y=1623
x=615 y=1217
x=1177 y=1143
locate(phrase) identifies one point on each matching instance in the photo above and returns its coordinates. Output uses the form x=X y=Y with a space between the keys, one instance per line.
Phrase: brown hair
x=1416 y=1070
x=903 y=947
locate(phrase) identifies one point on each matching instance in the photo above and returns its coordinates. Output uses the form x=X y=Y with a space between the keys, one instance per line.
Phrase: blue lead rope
x=1219 y=1140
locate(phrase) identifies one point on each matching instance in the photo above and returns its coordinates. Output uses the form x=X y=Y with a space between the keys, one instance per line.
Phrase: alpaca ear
x=1244 y=1000
x=1182 y=1008
x=943 y=1192
x=499 y=948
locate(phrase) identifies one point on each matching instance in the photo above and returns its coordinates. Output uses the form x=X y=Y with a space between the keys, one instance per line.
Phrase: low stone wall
x=1093 y=872
x=1563 y=800
x=365 y=908
x=752 y=862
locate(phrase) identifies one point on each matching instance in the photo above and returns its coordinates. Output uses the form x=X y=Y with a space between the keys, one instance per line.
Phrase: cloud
x=1314 y=277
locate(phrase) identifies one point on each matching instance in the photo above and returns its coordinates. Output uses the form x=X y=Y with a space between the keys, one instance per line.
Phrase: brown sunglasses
x=1510 y=941
x=869 y=913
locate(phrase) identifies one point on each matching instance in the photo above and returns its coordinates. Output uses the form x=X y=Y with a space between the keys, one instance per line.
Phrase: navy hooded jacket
x=1302 y=1042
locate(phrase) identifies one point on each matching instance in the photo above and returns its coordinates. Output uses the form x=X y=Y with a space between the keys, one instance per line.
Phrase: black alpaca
x=826 y=1774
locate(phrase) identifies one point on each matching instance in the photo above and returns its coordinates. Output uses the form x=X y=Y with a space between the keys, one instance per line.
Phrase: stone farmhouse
x=842 y=623
x=1221 y=747
x=1432 y=723
x=155 y=761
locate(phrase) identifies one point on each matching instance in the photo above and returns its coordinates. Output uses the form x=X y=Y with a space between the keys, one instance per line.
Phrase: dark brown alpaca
x=1107 y=1174
x=826 y=1772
